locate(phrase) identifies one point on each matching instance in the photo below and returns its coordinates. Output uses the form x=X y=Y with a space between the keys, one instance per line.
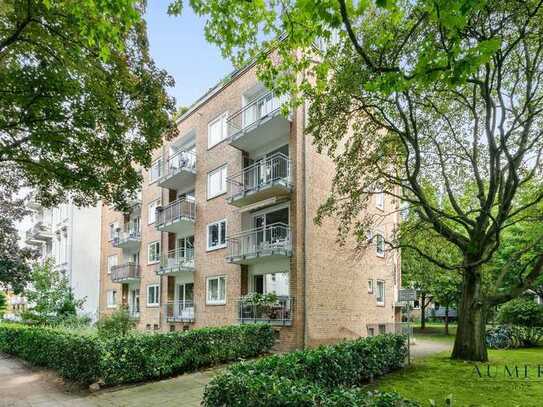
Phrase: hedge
x=309 y=377
x=134 y=357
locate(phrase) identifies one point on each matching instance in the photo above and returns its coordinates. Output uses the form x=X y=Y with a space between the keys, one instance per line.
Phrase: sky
x=178 y=45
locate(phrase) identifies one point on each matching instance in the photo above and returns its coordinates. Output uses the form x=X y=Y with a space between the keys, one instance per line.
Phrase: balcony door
x=133 y=258
x=267 y=231
x=134 y=301
x=184 y=300
x=185 y=248
x=277 y=283
x=267 y=169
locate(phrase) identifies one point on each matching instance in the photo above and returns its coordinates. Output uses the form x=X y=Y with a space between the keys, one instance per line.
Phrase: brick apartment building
x=227 y=209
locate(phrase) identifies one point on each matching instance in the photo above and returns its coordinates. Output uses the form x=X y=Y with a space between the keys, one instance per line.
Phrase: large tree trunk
x=469 y=343
x=423 y=310
x=446 y=320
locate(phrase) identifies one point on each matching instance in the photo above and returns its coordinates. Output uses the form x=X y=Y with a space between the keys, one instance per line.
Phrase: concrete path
x=426 y=347
x=21 y=385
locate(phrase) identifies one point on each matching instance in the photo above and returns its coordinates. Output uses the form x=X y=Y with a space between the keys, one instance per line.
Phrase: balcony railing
x=179 y=311
x=279 y=313
x=273 y=171
x=125 y=272
x=270 y=240
x=40 y=232
x=180 y=161
x=177 y=260
x=181 y=209
x=129 y=236
x=263 y=106
x=134 y=313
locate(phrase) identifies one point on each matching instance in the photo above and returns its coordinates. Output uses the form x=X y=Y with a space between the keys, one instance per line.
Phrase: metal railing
x=279 y=313
x=180 y=209
x=179 y=311
x=181 y=160
x=274 y=237
x=40 y=231
x=131 y=231
x=127 y=271
x=133 y=313
x=254 y=111
x=177 y=259
x=259 y=175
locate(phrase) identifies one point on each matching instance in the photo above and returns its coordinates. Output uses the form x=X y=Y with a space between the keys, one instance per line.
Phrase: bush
x=500 y=337
x=521 y=312
x=513 y=336
x=118 y=323
x=73 y=356
x=299 y=378
x=136 y=356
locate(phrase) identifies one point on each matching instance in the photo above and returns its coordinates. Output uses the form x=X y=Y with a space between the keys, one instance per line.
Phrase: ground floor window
x=380 y=292
x=111 y=298
x=152 y=295
x=216 y=290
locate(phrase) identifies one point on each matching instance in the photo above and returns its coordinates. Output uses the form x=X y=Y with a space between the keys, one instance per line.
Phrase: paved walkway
x=21 y=385
x=426 y=347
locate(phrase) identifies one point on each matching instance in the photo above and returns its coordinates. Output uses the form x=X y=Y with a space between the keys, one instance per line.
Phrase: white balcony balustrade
x=278 y=313
x=179 y=170
x=177 y=217
x=179 y=311
x=249 y=246
x=127 y=272
x=129 y=238
x=176 y=261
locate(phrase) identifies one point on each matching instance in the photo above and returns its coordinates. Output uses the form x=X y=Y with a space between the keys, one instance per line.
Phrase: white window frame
x=157 y=162
x=156 y=289
x=378 y=251
x=219 y=246
x=223 y=117
x=111 y=295
x=380 y=199
x=149 y=261
x=156 y=203
x=382 y=301
x=109 y=265
x=370 y=286
x=224 y=187
x=219 y=279
x=113 y=230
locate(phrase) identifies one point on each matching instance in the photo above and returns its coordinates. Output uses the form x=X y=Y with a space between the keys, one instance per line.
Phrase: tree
x=403 y=94
x=50 y=295
x=82 y=102
x=14 y=260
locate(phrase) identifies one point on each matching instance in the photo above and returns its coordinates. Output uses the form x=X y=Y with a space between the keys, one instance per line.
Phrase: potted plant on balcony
x=264 y=304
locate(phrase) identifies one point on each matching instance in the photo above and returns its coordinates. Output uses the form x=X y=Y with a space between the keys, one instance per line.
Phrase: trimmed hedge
x=73 y=356
x=134 y=357
x=309 y=377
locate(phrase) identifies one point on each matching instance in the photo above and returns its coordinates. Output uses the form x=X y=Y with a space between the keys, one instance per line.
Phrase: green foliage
x=135 y=356
x=522 y=312
x=3 y=303
x=84 y=104
x=118 y=323
x=261 y=299
x=138 y=357
x=73 y=356
x=300 y=378
x=52 y=297
x=514 y=336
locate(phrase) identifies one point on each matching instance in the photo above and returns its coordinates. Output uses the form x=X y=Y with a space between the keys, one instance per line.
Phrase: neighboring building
x=434 y=311
x=71 y=237
x=227 y=209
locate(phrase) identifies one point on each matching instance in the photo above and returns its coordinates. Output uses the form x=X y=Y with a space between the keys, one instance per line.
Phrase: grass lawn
x=435 y=377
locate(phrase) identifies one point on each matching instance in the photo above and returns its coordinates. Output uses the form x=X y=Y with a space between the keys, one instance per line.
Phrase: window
x=113 y=230
x=416 y=304
x=216 y=182
x=155 y=172
x=111 y=262
x=380 y=292
x=111 y=298
x=380 y=199
x=370 y=286
x=379 y=245
x=216 y=235
x=153 y=252
x=216 y=290
x=217 y=130
x=382 y=329
x=371 y=331
x=151 y=211
x=153 y=295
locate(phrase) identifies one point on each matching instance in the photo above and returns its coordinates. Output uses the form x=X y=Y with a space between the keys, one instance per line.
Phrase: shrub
x=73 y=356
x=138 y=357
x=500 y=337
x=118 y=323
x=306 y=376
x=521 y=312
x=513 y=336
x=135 y=356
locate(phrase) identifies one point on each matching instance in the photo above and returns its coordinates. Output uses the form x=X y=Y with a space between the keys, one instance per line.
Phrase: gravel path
x=427 y=347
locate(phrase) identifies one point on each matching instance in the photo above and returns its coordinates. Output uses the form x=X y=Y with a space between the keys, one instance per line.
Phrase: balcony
x=261 y=180
x=179 y=171
x=129 y=239
x=250 y=246
x=125 y=273
x=134 y=202
x=258 y=123
x=134 y=313
x=39 y=233
x=279 y=313
x=177 y=217
x=179 y=311
x=176 y=261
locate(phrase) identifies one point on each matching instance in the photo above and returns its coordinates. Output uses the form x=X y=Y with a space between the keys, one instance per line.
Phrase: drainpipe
x=304 y=228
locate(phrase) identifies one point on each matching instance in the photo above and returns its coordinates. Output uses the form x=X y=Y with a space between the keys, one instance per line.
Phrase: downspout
x=304 y=228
